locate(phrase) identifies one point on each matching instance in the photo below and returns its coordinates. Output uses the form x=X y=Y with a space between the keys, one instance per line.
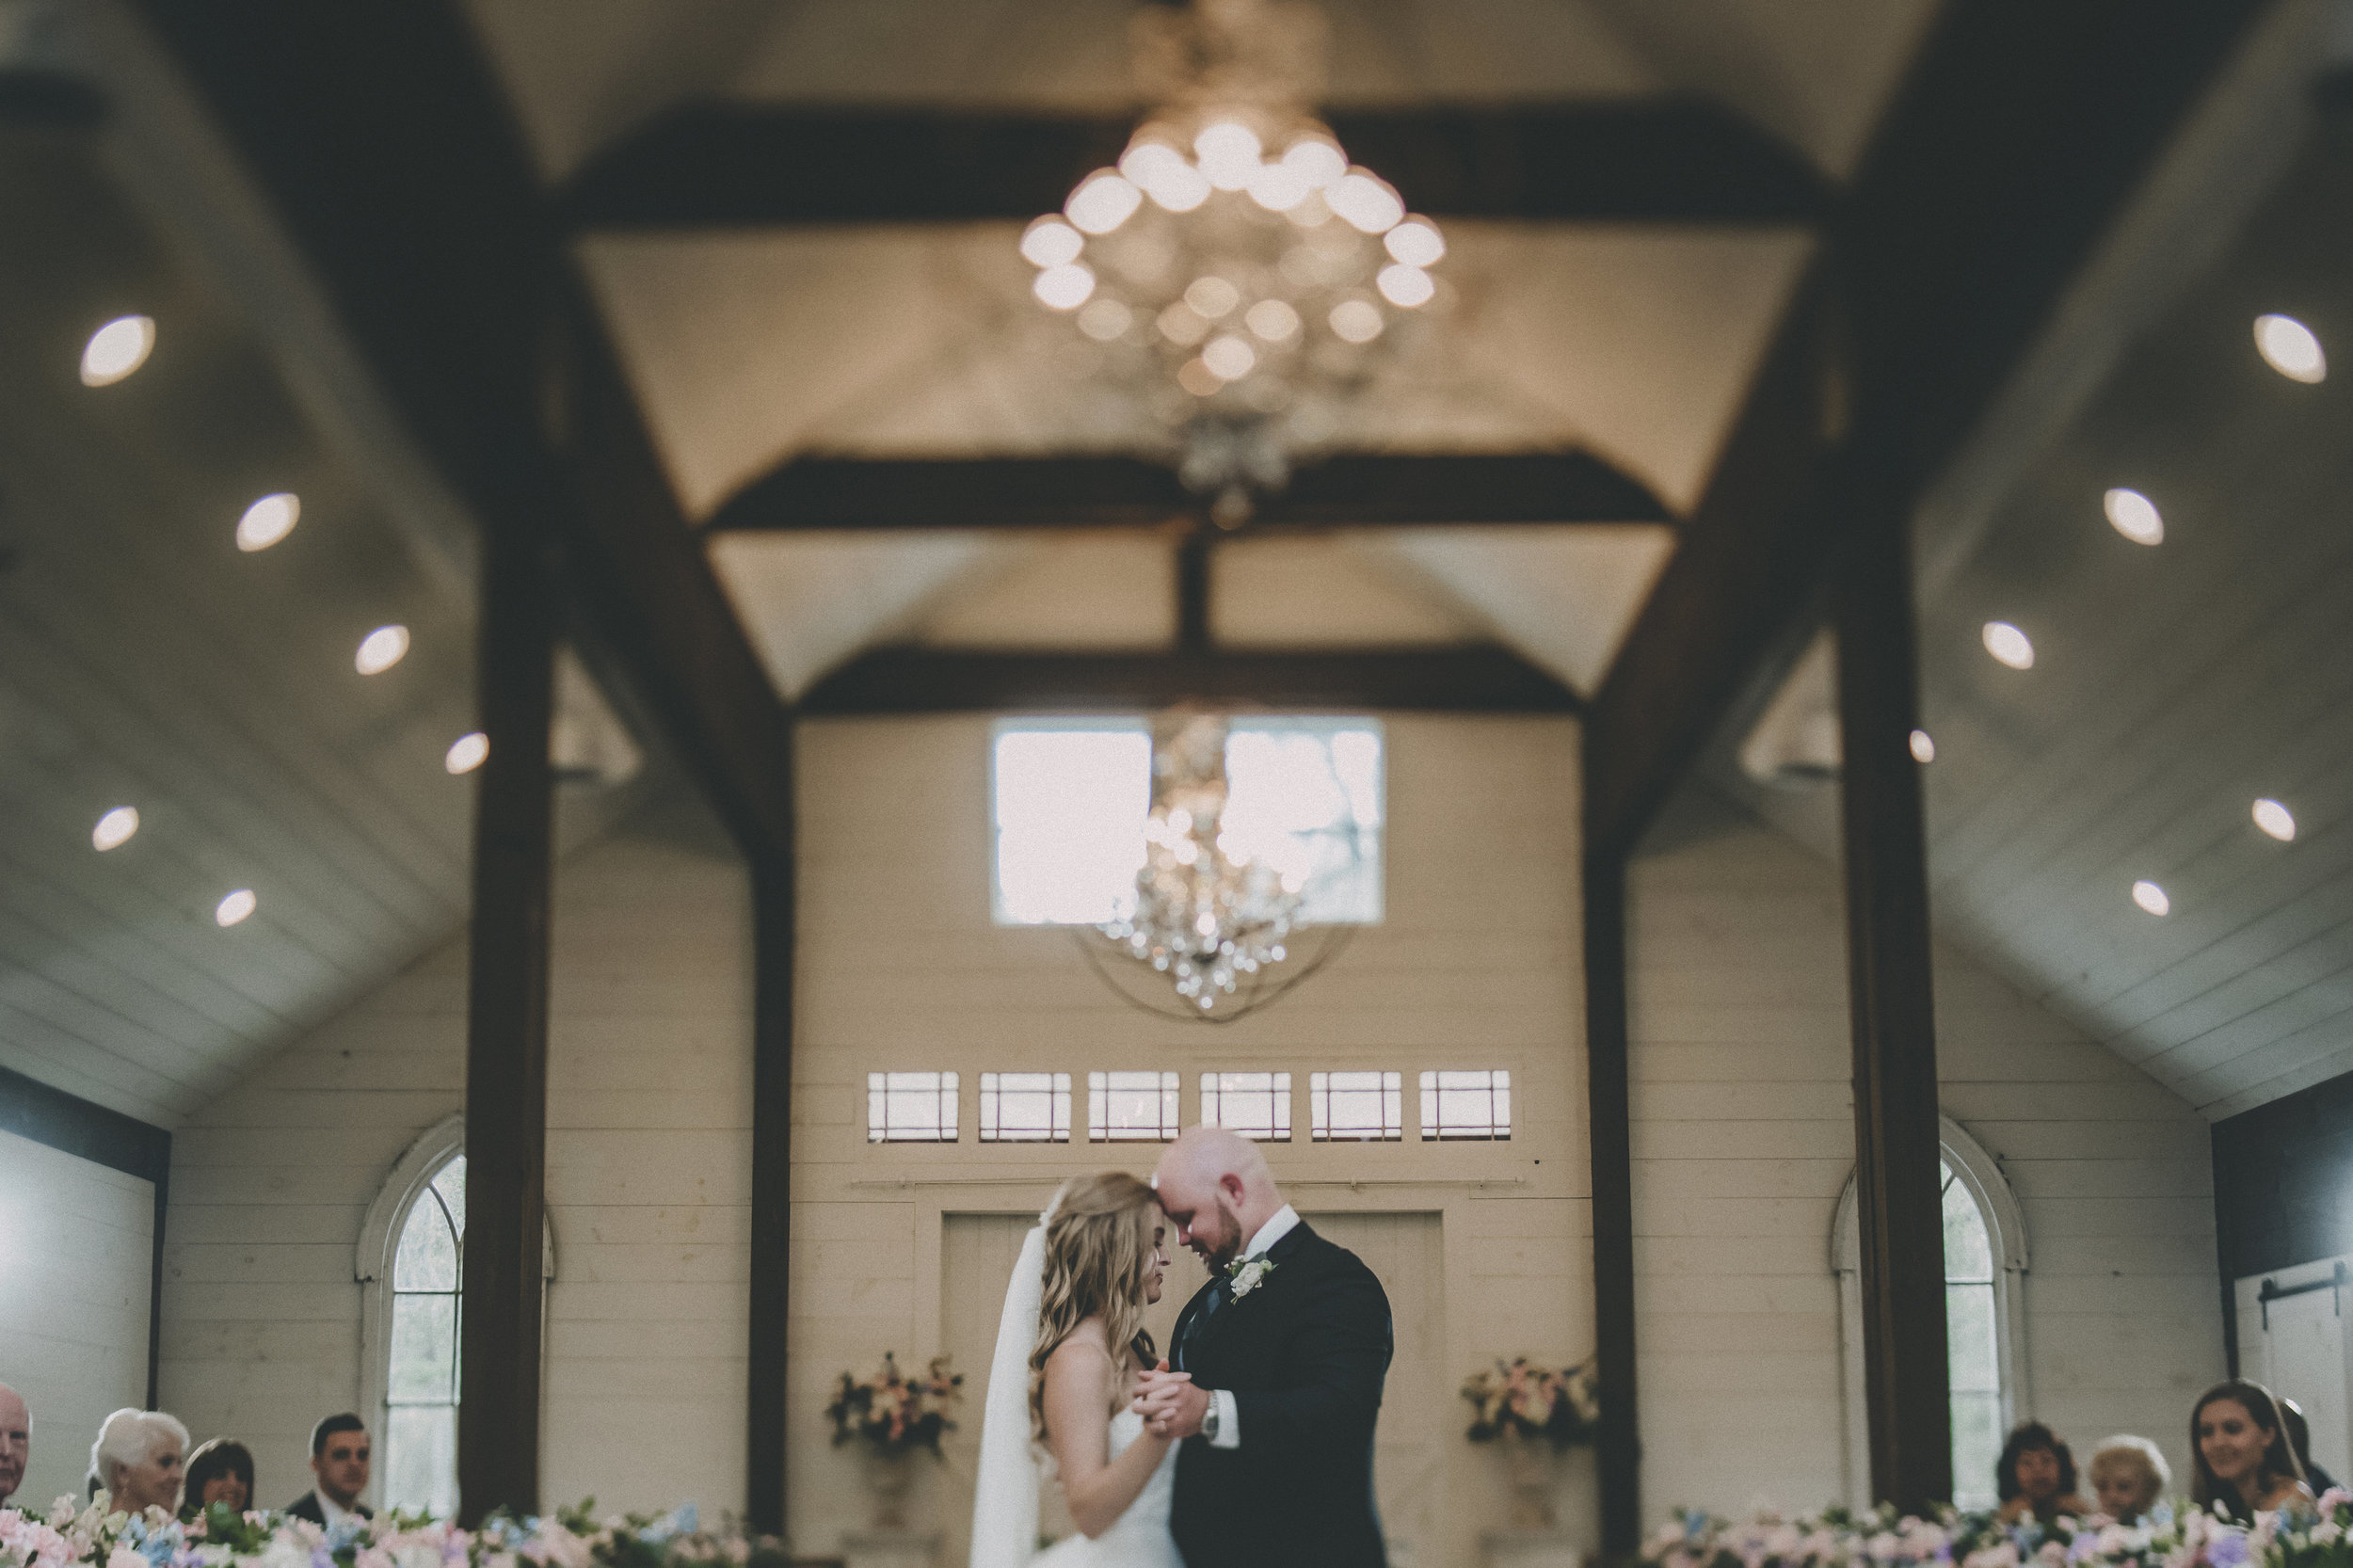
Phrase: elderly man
x=1279 y=1363
x=16 y=1441
x=340 y=1453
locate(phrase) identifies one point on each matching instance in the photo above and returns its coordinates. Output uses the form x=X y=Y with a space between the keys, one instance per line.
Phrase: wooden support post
x=506 y=1030
x=1610 y=1114
x=1906 y=1378
x=774 y=922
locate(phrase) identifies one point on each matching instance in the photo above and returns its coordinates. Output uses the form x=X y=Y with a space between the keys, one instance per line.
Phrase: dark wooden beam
x=1610 y=1119
x=947 y=681
x=1898 y=1180
x=715 y=166
x=1359 y=491
x=774 y=922
x=2020 y=133
x=71 y=1124
x=506 y=1028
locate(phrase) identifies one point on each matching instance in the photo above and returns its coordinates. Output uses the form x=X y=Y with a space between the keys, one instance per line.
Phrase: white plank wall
x=76 y=1274
x=1478 y=965
x=649 y=1154
x=1743 y=1140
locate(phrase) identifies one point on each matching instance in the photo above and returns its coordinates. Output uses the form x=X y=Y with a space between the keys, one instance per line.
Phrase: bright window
x=1356 y=1107
x=1973 y=1346
x=1257 y=1105
x=1025 y=1108
x=1132 y=1108
x=421 y=1384
x=1476 y=1105
x=1069 y=802
x=911 y=1108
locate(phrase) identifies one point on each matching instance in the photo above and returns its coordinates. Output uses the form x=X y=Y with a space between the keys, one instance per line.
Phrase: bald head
x=16 y=1441
x=1217 y=1192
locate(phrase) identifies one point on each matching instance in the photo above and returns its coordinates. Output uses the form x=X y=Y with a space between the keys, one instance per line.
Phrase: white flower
x=1247 y=1274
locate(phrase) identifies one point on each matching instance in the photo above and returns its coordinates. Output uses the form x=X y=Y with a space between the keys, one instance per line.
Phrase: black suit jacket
x=306 y=1507
x=1304 y=1354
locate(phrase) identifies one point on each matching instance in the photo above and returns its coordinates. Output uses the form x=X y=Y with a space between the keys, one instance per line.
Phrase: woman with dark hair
x=2036 y=1475
x=2243 y=1458
x=219 y=1472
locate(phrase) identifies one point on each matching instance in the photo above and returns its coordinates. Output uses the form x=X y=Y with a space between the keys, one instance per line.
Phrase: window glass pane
x=427 y=1258
x=1968 y=1250
x=1069 y=809
x=1977 y=1448
x=1025 y=1108
x=1305 y=795
x=1257 y=1105
x=1356 y=1107
x=451 y=1184
x=425 y=1349
x=911 y=1108
x=1970 y=1344
x=420 y=1467
x=1466 y=1105
x=1132 y=1107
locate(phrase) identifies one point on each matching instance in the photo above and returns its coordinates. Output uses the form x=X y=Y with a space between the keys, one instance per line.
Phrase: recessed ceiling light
x=2134 y=515
x=381 y=648
x=115 y=828
x=235 y=907
x=2289 y=347
x=467 y=752
x=117 y=349
x=2151 y=897
x=268 y=521
x=2276 y=820
x=1923 y=747
x=2010 y=645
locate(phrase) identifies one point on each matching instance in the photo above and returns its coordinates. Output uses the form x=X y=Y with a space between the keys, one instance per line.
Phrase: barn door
x=2303 y=1332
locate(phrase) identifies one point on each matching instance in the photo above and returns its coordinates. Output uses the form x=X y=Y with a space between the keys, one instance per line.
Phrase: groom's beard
x=1228 y=1244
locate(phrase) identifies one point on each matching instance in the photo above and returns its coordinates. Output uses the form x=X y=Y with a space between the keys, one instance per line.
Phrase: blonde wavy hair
x=1099 y=1239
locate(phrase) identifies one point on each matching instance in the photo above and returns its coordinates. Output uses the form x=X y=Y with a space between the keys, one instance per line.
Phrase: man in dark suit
x=340 y=1453
x=1278 y=1363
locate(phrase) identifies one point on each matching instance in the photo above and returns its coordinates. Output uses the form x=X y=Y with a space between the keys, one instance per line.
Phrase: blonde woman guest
x=2128 y=1477
x=2243 y=1460
x=137 y=1460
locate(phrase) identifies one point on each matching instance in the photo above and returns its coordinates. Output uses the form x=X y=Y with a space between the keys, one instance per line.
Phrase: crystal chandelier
x=1211 y=906
x=1241 y=281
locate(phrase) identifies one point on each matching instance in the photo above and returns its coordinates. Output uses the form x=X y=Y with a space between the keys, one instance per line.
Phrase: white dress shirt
x=1281 y=1223
x=332 y=1511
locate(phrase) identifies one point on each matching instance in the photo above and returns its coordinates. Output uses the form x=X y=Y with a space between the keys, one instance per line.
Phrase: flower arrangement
x=1521 y=1401
x=2172 y=1536
x=894 y=1412
x=99 y=1536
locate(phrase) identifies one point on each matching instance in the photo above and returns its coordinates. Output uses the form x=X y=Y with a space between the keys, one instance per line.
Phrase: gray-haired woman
x=137 y=1460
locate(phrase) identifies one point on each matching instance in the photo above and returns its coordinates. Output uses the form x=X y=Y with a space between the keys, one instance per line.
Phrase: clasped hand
x=1172 y=1407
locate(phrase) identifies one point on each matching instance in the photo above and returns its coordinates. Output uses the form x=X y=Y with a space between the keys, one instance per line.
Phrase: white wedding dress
x=1005 y=1493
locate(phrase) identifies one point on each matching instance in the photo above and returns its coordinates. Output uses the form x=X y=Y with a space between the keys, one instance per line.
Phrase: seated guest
x=137 y=1460
x=2244 y=1460
x=2301 y=1433
x=2128 y=1477
x=2036 y=1475
x=16 y=1442
x=338 y=1462
x=219 y=1472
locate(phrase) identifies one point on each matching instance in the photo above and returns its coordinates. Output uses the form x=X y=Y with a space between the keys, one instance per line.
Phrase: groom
x=1278 y=1363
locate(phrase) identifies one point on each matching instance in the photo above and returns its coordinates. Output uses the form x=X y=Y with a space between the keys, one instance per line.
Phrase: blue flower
x=2228 y=1549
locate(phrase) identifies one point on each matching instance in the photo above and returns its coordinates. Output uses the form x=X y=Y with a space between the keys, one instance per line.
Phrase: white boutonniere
x=1245 y=1275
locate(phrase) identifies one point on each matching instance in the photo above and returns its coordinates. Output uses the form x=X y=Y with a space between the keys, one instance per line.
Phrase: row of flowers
x=99 y=1536
x=2173 y=1536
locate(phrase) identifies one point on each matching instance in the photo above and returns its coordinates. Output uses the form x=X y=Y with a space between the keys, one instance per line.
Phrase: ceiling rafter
x=719 y=166
x=1348 y=492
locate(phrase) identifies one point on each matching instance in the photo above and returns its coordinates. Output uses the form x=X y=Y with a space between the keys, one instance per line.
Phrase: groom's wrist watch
x=1208 y=1420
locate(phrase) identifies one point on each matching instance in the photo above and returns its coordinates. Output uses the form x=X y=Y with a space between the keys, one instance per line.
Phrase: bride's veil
x=1004 y=1494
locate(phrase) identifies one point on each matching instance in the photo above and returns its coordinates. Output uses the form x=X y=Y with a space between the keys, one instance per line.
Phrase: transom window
x=1466 y=1105
x=1132 y=1108
x=1070 y=798
x=1025 y=1108
x=911 y=1108
x=422 y=1382
x=1367 y=1108
x=1257 y=1105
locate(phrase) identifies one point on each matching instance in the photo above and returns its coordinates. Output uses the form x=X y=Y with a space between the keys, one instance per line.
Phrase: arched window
x=412 y=1263
x=1985 y=1260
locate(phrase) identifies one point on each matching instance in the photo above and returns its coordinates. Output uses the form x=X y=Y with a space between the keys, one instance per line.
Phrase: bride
x=1068 y=1349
